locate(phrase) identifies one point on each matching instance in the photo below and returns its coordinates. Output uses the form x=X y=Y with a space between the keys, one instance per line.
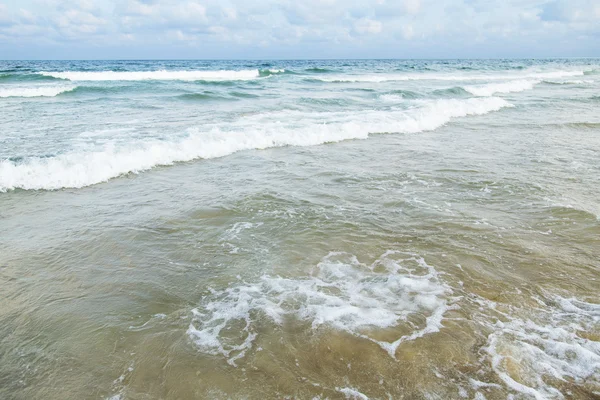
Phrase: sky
x=298 y=29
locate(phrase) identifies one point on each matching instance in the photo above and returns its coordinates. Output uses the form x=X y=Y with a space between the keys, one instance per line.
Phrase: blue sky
x=207 y=29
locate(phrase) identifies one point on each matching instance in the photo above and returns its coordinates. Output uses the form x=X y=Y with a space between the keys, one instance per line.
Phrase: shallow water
x=339 y=229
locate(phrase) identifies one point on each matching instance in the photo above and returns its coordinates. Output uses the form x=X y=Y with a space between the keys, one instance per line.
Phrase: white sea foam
x=261 y=131
x=377 y=78
x=163 y=75
x=505 y=87
x=570 y=82
x=352 y=394
x=37 y=91
x=532 y=352
x=391 y=98
x=341 y=294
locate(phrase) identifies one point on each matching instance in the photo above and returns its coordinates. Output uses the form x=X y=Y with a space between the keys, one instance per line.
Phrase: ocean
x=316 y=229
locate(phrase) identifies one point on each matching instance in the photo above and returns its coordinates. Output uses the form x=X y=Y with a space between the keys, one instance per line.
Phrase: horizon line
x=306 y=59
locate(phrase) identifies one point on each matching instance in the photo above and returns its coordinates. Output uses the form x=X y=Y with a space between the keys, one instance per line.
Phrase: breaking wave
x=162 y=75
x=40 y=91
x=260 y=131
x=378 y=78
x=505 y=87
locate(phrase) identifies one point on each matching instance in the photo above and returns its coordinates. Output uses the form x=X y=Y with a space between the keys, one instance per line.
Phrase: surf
x=253 y=132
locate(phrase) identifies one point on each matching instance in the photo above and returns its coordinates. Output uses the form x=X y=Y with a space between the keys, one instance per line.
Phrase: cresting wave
x=40 y=91
x=162 y=75
x=378 y=78
x=24 y=77
x=342 y=294
x=79 y=169
x=569 y=82
x=506 y=87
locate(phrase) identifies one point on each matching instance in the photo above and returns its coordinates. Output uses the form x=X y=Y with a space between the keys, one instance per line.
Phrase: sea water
x=300 y=229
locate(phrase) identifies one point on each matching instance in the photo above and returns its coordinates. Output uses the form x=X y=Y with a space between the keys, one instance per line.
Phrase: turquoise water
x=301 y=229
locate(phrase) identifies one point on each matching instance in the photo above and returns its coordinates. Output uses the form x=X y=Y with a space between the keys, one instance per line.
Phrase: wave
x=506 y=87
x=398 y=95
x=572 y=125
x=244 y=95
x=379 y=78
x=219 y=83
x=391 y=98
x=20 y=77
x=453 y=91
x=377 y=296
x=581 y=125
x=202 y=97
x=80 y=89
x=261 y=131
x=41 y=91
x=568 y=82
x=325 y=101
x=162 y=75
x=269 y=72
x=317 y=70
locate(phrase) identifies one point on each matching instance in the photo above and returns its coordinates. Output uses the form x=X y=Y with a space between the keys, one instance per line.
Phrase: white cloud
x=4 y=15
x=367 y=26
x=134 y=7
x=229 y=13
x=73 y=23
x=304 y=26
x=188 y=11
x=408 y=32
x=412 y=6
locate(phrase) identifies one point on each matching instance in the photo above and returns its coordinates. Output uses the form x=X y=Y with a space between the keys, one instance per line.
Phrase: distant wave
x=568 y=82
x=483 y=90
x=378 y=78
x=269 y=72
x=398 y=95
x=202 y=97
x=391 y=98
x=451 y=92
x=571 y=125
x=506 y=87
x=162 y=75
x=20 y=77
x=40 y=91
x=244 y=95
x=317 y=70
x=582 y=125
x=79 y=169
x=325 y=101
x=81 y=89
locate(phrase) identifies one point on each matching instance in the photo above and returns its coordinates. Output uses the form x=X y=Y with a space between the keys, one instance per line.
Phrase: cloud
x=310 y=28
x=76 y=23
x=412 y=6
x=5 y=18
x=408 y=32
x=367 y=26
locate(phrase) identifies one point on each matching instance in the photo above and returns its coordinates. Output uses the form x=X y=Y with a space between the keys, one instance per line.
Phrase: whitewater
x=83 y=168
x=315 y=229
x=269 y=105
